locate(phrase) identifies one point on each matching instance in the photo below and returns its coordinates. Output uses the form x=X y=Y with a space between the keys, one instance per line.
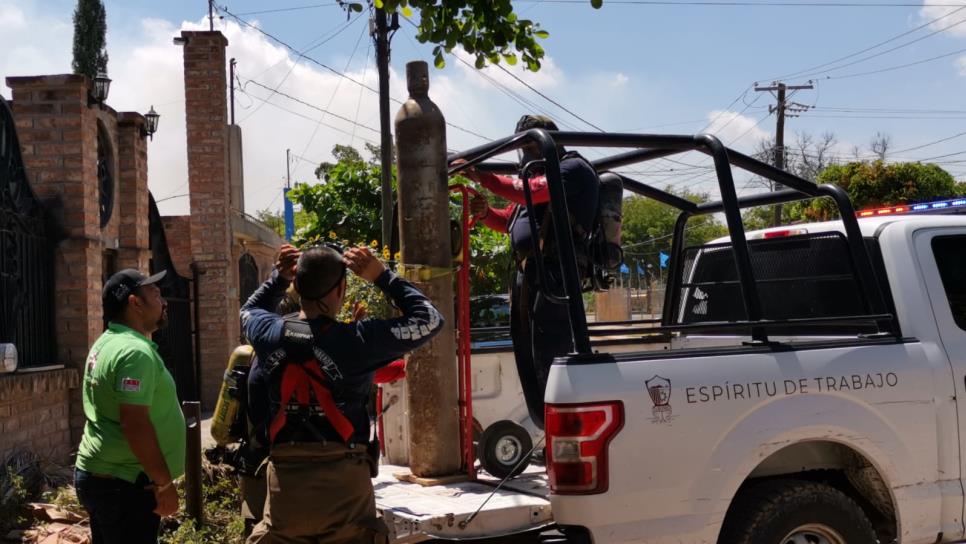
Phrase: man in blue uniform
x=316 y=373
x=540 y=329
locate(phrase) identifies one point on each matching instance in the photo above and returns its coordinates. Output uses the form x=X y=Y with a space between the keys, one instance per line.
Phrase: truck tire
x=795 y=512
x=504 y=449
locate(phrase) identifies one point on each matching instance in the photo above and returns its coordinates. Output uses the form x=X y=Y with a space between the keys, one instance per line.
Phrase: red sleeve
x=498 y=219
x=512 y=188
x=395 y=370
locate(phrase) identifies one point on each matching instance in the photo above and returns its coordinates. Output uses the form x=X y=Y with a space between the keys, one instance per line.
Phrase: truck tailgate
x=415 y=513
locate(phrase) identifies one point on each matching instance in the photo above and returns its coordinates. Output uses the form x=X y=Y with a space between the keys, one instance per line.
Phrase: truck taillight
x=577 y=439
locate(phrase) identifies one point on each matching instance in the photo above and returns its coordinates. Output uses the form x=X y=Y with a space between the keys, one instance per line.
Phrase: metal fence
x=26 y=257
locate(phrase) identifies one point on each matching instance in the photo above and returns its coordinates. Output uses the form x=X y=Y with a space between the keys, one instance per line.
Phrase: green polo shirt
x=124 y=367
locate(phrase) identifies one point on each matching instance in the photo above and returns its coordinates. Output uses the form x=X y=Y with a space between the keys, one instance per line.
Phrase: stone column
x=206 y=104
x=58 y=137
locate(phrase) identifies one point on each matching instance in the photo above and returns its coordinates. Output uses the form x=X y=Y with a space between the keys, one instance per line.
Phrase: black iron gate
x=177 y=341
x=247 y=277
x=26 y=257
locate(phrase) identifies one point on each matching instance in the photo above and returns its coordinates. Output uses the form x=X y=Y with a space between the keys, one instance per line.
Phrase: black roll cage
x=647 y=147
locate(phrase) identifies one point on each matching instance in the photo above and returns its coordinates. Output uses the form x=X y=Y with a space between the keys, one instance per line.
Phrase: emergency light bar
x=914 y=208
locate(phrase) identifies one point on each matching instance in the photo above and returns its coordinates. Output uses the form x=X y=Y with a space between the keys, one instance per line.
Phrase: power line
x=292 y=8
x=290 y=48
x=306 y=104
x=867 y=49
x=171 y=197
x=847 y=109
x=890 y=50
x=548 y=99
x=301 y=56
x=939 y=141
x=332 y=97
x=899 y=67
x=754 y=4
x=279 y=41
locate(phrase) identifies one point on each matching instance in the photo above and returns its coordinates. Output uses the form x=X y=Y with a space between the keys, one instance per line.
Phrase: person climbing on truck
x=536 y=324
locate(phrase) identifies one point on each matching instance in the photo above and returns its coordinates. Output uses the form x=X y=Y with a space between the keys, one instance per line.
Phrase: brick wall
x=132 y=178
x=34 y=411
x=206 y=113
x=58 y=131
x=177 y=230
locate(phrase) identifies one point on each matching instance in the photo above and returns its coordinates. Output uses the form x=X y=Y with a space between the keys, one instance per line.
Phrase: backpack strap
x=297 y=380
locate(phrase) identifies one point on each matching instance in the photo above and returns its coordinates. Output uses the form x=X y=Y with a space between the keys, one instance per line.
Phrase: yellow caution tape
x=421 y=272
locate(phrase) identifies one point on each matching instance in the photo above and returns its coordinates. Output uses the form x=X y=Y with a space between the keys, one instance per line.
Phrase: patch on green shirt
x=123 y=367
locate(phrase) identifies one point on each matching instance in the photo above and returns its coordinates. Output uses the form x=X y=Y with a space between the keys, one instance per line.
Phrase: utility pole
x=779 y=109
x=211 y=15
x=380 y=28
x=231 y=79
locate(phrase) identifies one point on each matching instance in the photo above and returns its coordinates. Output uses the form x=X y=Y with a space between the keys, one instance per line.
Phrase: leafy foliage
x=90 y=31
x=490 y=261
x=648 y=227
x=489 y=29
x=276 y=221
x=221 y=498
x=874 y=184
x=346 y=206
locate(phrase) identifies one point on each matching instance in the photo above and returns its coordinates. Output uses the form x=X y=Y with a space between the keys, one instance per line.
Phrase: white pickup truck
x=830 y=434
x=803 y=386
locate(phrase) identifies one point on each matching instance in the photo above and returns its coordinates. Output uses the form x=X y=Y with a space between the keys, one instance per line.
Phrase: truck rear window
x=806 y=276
x=950 y=252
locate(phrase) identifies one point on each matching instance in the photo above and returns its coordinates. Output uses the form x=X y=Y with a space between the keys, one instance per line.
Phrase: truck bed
x=416 y=513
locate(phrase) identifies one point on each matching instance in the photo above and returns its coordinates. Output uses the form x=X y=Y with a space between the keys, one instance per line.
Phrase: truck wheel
x=796 y=512
x=504 y=449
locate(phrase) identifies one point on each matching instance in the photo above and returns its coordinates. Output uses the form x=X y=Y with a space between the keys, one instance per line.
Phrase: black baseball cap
x=121 y=285
x=535 y=121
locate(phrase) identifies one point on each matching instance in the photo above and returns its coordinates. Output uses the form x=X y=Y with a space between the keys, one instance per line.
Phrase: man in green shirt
x=133 y=445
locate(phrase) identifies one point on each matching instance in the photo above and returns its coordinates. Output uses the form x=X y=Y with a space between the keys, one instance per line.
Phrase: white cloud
x=11 y=17
x=952 y=20
x=146 y=69
x=735 y=130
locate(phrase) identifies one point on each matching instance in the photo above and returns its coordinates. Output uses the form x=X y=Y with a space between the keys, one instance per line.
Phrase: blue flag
x=624 y=269
x=664 y=259
x=289 y=216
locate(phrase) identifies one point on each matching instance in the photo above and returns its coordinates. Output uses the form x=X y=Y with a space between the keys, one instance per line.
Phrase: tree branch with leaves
x=489 y=29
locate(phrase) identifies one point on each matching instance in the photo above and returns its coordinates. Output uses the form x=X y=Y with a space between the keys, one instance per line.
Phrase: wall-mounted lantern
x=151 y=122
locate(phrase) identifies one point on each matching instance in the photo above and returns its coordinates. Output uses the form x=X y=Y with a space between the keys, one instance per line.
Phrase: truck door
x=942 y=258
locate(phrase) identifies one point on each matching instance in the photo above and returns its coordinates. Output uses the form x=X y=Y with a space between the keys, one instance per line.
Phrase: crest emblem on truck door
x=659 y=390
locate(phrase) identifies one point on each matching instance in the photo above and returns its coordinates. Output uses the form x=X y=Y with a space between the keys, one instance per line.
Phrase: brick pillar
x=58 y=137
x=132 y=206
x=206 y=105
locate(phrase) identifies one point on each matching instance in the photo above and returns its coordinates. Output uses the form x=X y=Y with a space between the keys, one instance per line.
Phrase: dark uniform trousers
x=253 y=492
x=540 y=331
x=319 y=494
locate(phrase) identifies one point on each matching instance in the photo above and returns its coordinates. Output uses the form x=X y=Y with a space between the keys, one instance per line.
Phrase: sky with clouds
x=679 y=69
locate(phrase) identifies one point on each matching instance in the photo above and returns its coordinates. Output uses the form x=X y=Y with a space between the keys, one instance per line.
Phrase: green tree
x=276 y=221
x=90 y=32
x=345 y=207
x=874 y=184
x=489 y=29
x=648 y=226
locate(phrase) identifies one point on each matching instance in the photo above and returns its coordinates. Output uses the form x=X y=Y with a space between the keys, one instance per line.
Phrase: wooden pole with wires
x=779 y=110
